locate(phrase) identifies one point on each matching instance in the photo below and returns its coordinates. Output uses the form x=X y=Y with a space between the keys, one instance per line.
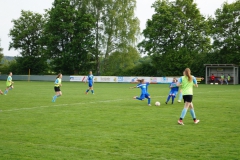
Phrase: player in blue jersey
x=174 y=90
x=144 y=93
x=57 y=85
x=90 y=82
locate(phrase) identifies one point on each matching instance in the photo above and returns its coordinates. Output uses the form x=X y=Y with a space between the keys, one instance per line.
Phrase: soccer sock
x=92 y=91
x=58 y=95
x=180 y=96
x=87 y=90
x=168 y=98
x=149 y=100
x=173 y=98
x=138 y=98
x=193 y=114
x=184 y=111
x=6 y=91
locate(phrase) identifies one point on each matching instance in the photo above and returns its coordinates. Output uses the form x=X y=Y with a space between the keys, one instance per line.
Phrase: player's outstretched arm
x=132 y=87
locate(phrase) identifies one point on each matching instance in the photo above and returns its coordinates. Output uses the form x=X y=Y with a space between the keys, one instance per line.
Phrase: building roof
x=221 y=65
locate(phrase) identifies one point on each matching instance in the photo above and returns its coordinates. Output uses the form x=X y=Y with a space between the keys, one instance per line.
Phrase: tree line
x=75 y=36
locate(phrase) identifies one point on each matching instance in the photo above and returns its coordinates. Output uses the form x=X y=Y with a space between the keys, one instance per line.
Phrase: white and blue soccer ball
x=157 y=103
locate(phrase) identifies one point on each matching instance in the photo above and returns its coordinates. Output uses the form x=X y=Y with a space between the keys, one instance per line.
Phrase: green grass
x=110 y=125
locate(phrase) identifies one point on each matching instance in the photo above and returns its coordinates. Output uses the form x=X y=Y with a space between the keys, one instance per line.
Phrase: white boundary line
x=56 y=105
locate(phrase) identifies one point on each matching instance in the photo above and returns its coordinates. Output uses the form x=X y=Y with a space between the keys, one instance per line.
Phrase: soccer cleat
x=196 y=121
x=180 y=122
x=179 y=101
x=166 y=102
x=86 y=92
x=149 y=105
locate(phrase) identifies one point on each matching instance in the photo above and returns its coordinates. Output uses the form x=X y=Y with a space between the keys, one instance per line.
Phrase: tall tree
x=68 y=37
x=120 y=63
x=175 y=35
x=26 y=37
x=1 y=52
x=226 y=33
x=116 y=28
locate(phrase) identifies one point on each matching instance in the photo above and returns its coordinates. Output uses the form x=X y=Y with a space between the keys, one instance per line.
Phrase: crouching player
x=174 y=90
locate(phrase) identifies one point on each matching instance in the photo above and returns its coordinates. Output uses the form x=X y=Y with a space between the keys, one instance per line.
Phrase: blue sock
x=193 y=113
x=180 y=96
x=55 y=97
x=173 y=99
x=149 y=100
x=138 y=98
x=6 y=91
x=92 y=91
x=87 y=90
x=168 y=98
x=184 y=111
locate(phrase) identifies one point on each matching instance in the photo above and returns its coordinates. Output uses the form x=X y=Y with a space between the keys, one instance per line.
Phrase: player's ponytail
x=59 y=74
x=188 y=74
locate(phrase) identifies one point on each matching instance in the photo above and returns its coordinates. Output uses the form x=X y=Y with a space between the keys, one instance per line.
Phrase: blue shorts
x=90 y=84
x=146 y=95
x=173 y=93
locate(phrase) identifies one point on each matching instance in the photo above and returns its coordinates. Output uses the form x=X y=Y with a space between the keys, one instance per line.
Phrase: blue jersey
x=90 y=80
x=174 y=87
x=143 y=87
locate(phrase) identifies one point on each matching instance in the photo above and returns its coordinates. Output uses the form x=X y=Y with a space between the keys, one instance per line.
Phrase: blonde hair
x=187 y=72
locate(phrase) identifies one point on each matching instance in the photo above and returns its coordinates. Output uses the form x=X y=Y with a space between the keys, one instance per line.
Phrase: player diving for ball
x=144 y=93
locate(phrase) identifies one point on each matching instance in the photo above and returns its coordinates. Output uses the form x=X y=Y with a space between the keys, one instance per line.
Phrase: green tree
x=26 y=37
x=226 y=34
x=1 y=53
x=68 y=37
x=121 y=63
x=175 y=36
x=116 y=29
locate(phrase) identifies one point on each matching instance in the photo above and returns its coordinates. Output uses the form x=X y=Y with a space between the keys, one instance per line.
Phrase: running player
x=90 y=82
x=187 y=81
x=9 y=83
x=174 y=90
x=144 y=93
x=57 y=85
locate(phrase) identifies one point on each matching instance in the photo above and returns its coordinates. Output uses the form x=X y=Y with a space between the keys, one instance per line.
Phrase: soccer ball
x=157 y=103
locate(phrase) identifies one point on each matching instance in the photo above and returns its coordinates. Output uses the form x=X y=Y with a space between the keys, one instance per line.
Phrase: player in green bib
x=222 y=78
x=57 y=85
x=187 y=82
x=9 y=83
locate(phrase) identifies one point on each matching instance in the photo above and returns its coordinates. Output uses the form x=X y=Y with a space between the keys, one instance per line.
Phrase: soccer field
x=110 y=125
